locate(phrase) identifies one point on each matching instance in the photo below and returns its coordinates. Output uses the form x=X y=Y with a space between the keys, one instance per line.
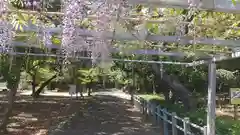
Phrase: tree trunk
x=182 y=92
x=12 y=75
x=89 y=89
x=174 y=98
x=77 y=89
x=166 y=95
x=43 y=85
x=33 y=83
x=81 y=90
x=11 y=99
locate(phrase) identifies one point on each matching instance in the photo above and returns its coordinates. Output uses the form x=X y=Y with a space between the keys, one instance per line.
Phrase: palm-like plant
x=88 y=77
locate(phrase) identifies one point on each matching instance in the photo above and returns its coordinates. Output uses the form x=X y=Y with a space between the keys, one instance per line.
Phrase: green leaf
x=56 y=41
x=234 y=2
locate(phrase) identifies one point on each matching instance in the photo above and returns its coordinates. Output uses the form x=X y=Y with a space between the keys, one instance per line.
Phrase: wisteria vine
x=73 y=10
x=103 y=24
x=76 y=10
x=3 y=6
x=71 y=41
x=5 y=29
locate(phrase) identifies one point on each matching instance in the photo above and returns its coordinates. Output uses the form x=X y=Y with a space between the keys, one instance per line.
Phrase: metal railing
x=170 y=122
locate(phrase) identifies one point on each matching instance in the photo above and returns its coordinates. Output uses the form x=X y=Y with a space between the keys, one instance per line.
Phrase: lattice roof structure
x=143 y=35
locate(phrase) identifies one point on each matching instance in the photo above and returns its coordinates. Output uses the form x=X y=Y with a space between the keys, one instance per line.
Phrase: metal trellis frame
x=90 y=58
x=183 y=40
x=210 y=5
x=115 y=50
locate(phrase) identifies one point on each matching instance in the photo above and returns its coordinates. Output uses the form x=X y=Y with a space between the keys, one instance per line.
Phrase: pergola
x=144 y=35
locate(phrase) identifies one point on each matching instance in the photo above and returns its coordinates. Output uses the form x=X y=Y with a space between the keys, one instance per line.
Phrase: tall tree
x=10 y=69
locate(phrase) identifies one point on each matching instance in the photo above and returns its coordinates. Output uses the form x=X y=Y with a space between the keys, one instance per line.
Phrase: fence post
x=155 y=112
x=158 y=114
x=144 y=106
x=186 y=125
x=174 y=123
x=149 y=109
x=165 y=123
x=153 y=109
x=205 y=130
x=148 y=112
x=141 y=105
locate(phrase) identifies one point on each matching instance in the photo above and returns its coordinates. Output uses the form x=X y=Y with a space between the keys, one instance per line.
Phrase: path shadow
x=108 y=115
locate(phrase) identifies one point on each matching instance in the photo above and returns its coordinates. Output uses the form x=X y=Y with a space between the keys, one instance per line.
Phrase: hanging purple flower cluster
x=32 y=4
x=76 y=10
x=101 y=45
x=5 y=33
x=3 y=6
x=3 y=49
x=44 y=34
x=5 y=29
x=73 y=10
x=47 y=39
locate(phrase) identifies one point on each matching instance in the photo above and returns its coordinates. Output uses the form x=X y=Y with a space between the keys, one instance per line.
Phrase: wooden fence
x=170 y=122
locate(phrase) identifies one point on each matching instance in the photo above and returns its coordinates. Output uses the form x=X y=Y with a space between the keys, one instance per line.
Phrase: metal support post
x=211 y=116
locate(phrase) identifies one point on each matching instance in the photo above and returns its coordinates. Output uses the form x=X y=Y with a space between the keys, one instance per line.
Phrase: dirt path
x=109 y=115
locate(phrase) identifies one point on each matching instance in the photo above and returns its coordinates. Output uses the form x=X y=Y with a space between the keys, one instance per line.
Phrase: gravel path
x=108 y=115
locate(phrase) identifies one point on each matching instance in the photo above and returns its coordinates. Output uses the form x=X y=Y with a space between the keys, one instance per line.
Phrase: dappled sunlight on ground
x=35 y=117
x=105 y=113
x=108 y=115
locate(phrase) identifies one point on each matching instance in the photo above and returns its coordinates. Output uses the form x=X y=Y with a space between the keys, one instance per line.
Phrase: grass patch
x=224 y=125
x=149 y=97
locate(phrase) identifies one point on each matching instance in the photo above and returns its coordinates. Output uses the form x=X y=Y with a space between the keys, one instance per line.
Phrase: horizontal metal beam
x=209 y=5
x=166 y=20
x=116 y=50
x=93 y=17
x=215 y=59
x=129 y=36
x=89 y=58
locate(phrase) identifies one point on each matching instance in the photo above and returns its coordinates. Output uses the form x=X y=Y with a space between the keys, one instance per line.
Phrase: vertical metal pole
x=158 y=114
x=133 y=84
x=186 y=126
x=211 y=98
x=174 y=123
x=235 y=107
x=161 y=70
x=165 y=123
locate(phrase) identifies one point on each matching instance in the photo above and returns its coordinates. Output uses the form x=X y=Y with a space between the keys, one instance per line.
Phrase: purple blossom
x=76 y=10
x=47 y=39
x=5 y=34
x=3 y=6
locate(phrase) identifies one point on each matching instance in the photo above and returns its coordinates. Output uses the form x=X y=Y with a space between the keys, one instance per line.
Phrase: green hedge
x=224 y=125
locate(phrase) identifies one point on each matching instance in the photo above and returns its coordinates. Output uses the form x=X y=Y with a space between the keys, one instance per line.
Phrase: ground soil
x=36 y=117
x=108 y=115
x=103 y=114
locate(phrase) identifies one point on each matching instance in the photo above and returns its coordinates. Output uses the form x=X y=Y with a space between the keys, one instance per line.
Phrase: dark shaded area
x=40 y=89
x=107 y=115
x=179 y=90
